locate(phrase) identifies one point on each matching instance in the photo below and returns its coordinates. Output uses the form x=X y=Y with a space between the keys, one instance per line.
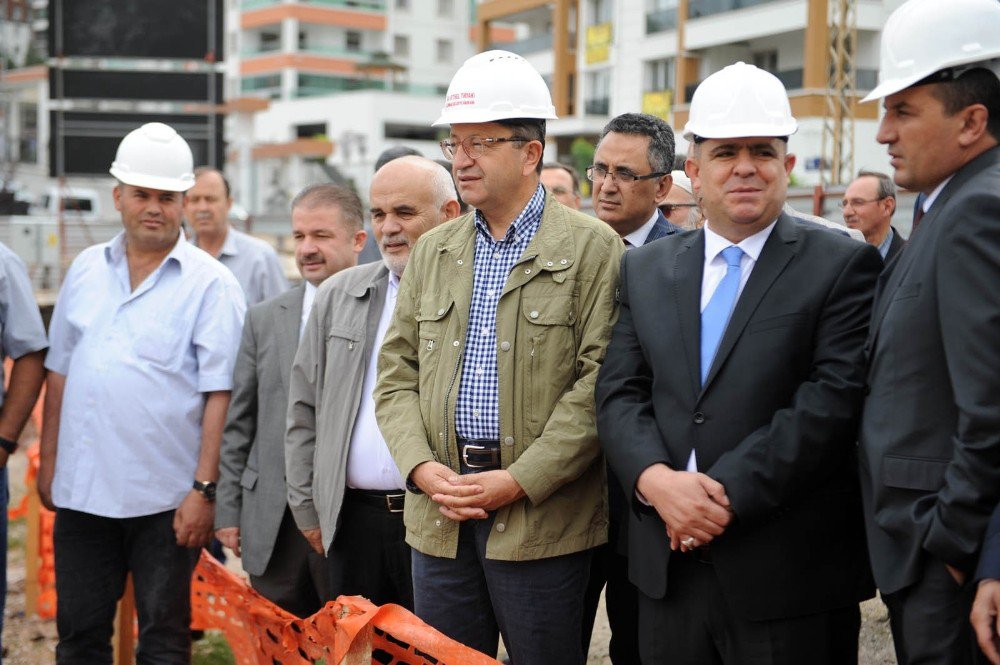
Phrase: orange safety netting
x=261 y=633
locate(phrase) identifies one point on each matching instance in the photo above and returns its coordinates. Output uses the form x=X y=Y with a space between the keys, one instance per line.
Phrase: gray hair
x=328 y=194
x=886 y=187
x=661 y=137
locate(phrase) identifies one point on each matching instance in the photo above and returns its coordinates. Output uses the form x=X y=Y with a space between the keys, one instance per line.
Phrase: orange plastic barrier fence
x=261 y=633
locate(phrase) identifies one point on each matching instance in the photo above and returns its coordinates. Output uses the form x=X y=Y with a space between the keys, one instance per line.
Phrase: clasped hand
x=691 y=504
x=464 y=497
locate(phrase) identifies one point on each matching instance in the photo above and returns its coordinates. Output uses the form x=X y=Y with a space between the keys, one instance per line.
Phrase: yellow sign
x=658 y=103
x=598 y=43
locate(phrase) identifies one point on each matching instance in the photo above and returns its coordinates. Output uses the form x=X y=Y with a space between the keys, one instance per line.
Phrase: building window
x=659 y=75
x=394 y=130
x=401 y=46
x=766 y=60
x=444 y=51
x=353 y=41
x=597 y=94
x=403 y=5
x=269 y=41
x=311 y=131
x=600 y=11
x=661 y=15
x=445 y=7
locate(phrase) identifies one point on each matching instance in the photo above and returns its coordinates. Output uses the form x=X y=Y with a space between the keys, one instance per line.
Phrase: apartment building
x=650 y=55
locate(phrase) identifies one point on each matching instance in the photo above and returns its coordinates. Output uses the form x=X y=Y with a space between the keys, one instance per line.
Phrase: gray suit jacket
x=930 y=433
x=251 y=492
x=325 y=393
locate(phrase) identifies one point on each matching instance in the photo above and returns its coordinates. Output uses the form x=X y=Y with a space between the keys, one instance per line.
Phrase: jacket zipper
x=447 y=395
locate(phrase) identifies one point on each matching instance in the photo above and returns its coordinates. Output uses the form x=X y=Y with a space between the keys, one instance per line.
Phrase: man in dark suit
x=252 y=515
x=868 y=205
x=631 y=173
x=930 y=431
x=986 y=607
x=728 y=410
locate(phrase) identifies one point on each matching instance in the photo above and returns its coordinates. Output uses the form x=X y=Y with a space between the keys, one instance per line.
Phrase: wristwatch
x=206 y=488
x=8 y=445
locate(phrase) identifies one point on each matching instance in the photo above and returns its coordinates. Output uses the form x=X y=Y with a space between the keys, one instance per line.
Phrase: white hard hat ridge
x=923 y=37
x=740 y=101
x=154 y=156
x=496 y=85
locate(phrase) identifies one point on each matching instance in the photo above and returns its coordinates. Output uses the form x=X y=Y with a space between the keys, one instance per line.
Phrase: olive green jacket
x=554 y=321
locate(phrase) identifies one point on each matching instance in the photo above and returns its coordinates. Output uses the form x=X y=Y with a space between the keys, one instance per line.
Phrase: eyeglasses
x=857 y=203
x=475 y=146
x=597 y=173
x=669 y=208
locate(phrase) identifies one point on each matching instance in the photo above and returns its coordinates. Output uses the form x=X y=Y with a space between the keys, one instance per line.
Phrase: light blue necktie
x=720 y=306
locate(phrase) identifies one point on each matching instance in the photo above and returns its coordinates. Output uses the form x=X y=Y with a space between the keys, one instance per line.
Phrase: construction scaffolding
x=837 y=166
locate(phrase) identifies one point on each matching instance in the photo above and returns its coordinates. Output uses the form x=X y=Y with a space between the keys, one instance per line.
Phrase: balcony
x=367 y=5
x=699 y=8
x=790 y=78
x=661 y=20
x=530 y=45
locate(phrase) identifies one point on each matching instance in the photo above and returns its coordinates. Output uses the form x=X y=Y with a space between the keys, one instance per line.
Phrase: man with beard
x=343 y=488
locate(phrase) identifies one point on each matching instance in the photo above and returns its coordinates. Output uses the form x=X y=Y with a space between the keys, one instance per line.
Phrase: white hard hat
x=740 y=101
x=682 y=181
x=925 y=36
x=496 y=85
x=154 y=156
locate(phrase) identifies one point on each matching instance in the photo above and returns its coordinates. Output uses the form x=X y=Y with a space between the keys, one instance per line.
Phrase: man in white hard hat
x=680 y=205
x=563 y=183
x=254 y=263
x=345 y=492
x=868 y=205
x=142 y=345
x=729 y=411
x=486 y=380
x=253 y=517
x=930 y=433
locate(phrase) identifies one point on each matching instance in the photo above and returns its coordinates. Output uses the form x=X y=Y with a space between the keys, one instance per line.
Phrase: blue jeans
x=4 y=500
x=93 y=557
x=536 y=605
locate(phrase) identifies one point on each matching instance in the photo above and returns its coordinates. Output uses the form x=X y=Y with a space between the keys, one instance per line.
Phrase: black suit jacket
x=930 y=433
x=989 y=562
x=895 y=245
x=775 y=422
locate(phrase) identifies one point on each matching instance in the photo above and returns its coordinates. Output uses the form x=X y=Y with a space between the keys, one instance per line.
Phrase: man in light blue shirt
x=22 y=337
x=143 y=342
x=254 y=263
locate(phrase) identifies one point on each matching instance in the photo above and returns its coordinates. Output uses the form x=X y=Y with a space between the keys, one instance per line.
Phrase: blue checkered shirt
x=477 y=409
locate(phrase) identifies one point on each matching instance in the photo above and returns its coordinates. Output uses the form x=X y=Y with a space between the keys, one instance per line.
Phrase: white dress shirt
x=137 y=365
x=308 y=298
x=932 y=197
x=638 y=237
x=715 y=269
x=369 y=464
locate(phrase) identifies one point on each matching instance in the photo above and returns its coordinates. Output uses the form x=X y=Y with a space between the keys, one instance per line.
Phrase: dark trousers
x=693 y=625
x=536 y=605
x=621 y=603
x=93 y=556
x=369 y=556
x=930 y=620
x=296 y=578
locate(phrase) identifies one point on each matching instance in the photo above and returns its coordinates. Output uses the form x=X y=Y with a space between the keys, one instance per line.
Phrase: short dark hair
x=886 y=187
x=568 y=169
x=973 y=86
x=328 y=194
x=661 y=137
x=205 y=170
x=395 y=152
x=528 y=128
x=679 y=159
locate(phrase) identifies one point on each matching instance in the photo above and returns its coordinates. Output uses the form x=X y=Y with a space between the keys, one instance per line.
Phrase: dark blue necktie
x=716 y=314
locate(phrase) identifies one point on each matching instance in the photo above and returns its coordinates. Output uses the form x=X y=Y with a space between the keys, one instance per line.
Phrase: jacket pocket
x=249 y=479
x=548 y=325
x=773 y=322
x=343 y=335
x=431 y=326
x=907 y=291
x=913 y=473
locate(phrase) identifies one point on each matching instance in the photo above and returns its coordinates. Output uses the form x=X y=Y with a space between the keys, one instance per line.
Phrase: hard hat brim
x=153 y=182
x=900 y=83
x=741 y=131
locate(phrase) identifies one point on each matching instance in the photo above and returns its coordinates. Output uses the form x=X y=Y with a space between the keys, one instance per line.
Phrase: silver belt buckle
x=388 y=502
x=465 y=456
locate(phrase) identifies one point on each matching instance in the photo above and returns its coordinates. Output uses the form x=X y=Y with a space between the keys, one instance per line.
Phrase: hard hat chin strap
x=953 y=73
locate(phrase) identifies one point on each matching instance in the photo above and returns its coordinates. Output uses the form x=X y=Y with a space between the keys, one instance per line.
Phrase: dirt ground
x=31 y=641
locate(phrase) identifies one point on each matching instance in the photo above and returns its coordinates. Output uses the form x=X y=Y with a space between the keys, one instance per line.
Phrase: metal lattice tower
x=838 y=123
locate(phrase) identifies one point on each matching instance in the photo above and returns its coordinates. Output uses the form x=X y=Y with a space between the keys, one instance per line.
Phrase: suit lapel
x=775 y=255
x=287 y=329
x=689 y=263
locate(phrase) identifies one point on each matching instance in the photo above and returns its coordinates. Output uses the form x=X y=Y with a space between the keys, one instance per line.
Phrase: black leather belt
x=480 y=454
x=702 y=554
x=391 y=500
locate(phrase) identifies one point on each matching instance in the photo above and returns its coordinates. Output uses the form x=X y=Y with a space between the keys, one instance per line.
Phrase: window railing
x=699 y=8
x=661 y=20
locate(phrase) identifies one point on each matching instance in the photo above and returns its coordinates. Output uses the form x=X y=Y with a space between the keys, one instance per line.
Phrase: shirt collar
x=308 y=296
x=526 y=222
x=883 y=249
x=751 y=246
x=229 y=246
x=932 y=197
x=638 y=237
x=114 y=250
